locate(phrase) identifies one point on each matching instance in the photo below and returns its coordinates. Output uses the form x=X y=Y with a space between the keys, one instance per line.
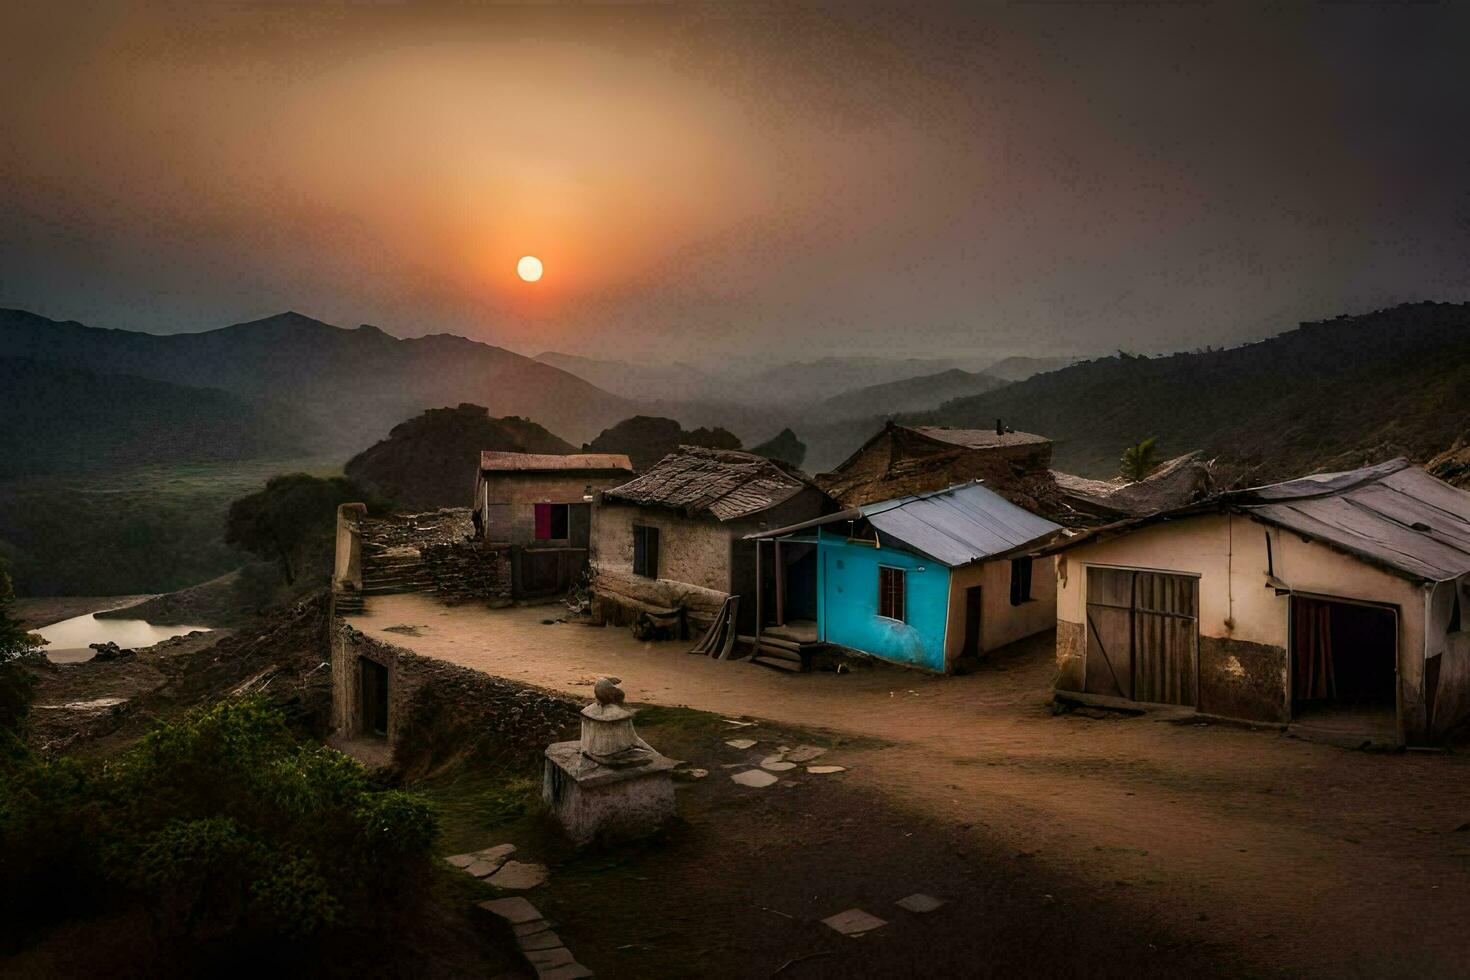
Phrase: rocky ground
x=93 y=707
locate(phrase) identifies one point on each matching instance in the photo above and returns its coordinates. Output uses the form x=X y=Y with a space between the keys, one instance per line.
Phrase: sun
x=529 y=268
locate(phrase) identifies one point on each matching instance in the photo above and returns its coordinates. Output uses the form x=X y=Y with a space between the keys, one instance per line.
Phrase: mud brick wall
x=1071 y=658
x=1243 y=680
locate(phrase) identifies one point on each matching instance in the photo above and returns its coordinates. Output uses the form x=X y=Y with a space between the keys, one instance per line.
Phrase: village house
x=901 y=459
x=1331 y=603
x=920 y=580
x=536 y=510
x=672 y=538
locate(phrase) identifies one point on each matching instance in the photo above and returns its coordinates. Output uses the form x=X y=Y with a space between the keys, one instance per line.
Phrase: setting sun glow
x=529 y=268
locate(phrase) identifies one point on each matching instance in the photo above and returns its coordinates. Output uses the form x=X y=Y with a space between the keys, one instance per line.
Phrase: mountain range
x=344 y=388
x=1328 y=395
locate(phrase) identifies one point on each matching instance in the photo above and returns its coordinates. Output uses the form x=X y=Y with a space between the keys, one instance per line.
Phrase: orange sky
x=726 y=178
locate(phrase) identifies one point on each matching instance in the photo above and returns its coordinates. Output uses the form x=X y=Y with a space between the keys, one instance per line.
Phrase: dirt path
x=1325 y=861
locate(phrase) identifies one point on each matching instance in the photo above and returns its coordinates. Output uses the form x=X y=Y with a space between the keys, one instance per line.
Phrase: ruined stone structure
x=388 y=692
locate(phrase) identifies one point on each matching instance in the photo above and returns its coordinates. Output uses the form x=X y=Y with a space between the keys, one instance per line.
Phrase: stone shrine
x=610 y=785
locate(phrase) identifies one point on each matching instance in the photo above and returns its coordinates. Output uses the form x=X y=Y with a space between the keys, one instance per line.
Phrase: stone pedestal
x=610 y=785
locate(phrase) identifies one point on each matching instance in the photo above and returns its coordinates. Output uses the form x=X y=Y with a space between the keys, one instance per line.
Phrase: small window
x=551 y=522
x=892 y=588
x=645 y=551
x=1020 y=580
x=1454 y=623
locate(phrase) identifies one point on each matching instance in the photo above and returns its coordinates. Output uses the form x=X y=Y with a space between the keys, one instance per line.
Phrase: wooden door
x=973 y=609
x=1109 y=664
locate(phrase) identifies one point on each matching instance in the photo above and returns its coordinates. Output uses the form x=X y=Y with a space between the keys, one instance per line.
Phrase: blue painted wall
x=847 y=591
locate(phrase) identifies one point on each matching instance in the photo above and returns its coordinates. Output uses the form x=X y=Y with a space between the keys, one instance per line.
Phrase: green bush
x=223 y=826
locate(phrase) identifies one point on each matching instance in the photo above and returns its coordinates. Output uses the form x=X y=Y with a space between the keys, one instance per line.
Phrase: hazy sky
x=707 y=180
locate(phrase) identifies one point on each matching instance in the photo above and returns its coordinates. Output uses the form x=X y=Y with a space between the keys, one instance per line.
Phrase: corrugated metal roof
x=721 y=482
x=1393 y=514
x=959 y=525
x=955 y=526
x=549 y=462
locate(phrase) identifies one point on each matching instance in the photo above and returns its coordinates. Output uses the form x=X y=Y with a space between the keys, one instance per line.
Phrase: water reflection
x=70 y=638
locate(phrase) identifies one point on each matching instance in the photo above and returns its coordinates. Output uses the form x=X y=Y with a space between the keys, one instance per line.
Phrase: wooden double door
x=1142 y=635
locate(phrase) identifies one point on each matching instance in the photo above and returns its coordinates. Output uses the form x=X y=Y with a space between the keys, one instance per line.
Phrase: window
x=891 y=592
x=645 y=551
x=551 y=522
x=1454 y=623
x=1020 y=580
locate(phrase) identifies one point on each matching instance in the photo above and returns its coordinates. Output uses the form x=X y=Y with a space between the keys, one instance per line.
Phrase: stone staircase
x=389 y=570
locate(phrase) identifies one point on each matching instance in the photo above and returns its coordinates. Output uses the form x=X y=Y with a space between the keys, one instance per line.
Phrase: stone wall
x=468 y=573
x=438 y=710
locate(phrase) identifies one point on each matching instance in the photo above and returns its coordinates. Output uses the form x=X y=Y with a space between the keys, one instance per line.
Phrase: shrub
x=223 y=826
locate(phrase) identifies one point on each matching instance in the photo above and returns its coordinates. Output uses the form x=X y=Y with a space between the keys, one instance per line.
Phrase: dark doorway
x=1344 y=658
x=373 y=695
x=801 y=581
x=973 y=609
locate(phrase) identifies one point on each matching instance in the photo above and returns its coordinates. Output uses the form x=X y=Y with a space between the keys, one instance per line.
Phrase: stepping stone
x=518 y=876
x=545 y=959
x=853 y=922
x=514 y=910
x=568 y=971
x=482 y=863
x=805 y=753
x=825 y=770
x=529 y=928
x=754 y=777
x=776 y=764
x=921 y=903
x=461 y=860
x=545 y=939
x=740 y=743
x=499 y=853
x=690 y=775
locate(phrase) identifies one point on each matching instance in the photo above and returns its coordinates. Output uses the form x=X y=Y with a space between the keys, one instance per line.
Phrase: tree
x=293 y=516
x=1140 y=460
x=16 y=682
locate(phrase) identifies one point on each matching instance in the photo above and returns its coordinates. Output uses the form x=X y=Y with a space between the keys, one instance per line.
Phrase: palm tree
x=1140 y=460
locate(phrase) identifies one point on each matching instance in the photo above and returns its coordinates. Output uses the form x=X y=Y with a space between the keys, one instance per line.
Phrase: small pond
x=70 y=639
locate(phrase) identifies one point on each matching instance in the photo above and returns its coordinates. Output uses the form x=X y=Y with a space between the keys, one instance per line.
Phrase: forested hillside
x=1328 y=395
x=432 y=460
x=59 y=418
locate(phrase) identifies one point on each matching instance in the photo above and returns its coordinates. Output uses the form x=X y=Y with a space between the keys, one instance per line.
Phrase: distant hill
x=910 y=394
x=784 y=447
x=432 y=460
x=348 y=386
x=59 y=418
x=1021 y=368
x=829 y=377
x=1329 y=395
x=647 y=439
x=633 y=380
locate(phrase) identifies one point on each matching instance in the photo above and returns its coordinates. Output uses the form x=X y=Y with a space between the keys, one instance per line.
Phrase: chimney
x=1000 y=430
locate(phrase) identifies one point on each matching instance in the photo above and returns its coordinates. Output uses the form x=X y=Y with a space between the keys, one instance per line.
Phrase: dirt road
x=1324 y=861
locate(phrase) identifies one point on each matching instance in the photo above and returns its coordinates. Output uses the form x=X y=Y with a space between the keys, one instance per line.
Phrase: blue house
x=919 y=580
